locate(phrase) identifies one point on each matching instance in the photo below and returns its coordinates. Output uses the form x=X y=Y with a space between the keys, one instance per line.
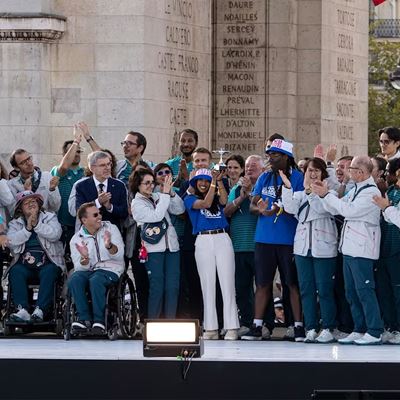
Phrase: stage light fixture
x=172 y=338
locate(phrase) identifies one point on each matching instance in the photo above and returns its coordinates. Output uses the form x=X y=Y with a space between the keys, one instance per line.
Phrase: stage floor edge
x=100 y=369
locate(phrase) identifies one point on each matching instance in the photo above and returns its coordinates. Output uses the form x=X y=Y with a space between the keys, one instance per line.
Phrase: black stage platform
x=99 y=369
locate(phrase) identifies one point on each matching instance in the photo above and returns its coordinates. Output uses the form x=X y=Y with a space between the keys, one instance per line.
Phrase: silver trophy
x=220 y=166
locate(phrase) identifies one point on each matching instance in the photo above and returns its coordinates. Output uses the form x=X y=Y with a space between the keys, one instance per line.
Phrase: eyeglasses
x=354 y=168
x=385 y=141
x=148 y=183
x=26 y=161
x=128 y=143
x=95 y=215
x=163 y=172
x=107 y=165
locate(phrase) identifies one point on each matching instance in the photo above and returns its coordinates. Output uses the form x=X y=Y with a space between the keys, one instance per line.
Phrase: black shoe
x=255 y=333
x=299 y=334
x=81 y=326
x=98 y=328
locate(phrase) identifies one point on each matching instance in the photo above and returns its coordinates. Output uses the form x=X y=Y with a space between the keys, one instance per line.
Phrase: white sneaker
x=37 y=315
x=243 y=330
x=387 y=336
x=349 y=339
x=339 y=334
x=325 y=336
x=231 y=334
x=368 y=339
x=395 y=339
x=265 y=333
x=310 y=336
x=211 y=335
x=21 y=315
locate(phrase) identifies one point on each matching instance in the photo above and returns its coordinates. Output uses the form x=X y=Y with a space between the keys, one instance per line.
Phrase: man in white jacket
x=35 y=180
x=97 y=252
x=359 y=243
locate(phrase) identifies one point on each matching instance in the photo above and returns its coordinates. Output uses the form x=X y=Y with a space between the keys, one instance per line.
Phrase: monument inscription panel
x=239 y=50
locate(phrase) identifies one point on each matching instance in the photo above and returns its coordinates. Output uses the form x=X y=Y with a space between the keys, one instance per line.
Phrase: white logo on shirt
x=269 y=191
x=209 y=214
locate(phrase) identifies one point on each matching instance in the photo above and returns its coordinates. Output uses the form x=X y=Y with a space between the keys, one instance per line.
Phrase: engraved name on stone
x=178 y=61
x=240 y=118
x=344 y=86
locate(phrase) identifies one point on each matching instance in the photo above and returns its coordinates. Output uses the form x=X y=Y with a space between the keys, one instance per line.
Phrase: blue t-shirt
x=204 y=220
x=273 y=229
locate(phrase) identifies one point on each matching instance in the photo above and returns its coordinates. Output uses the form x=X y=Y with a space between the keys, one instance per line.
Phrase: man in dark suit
x=108 y=193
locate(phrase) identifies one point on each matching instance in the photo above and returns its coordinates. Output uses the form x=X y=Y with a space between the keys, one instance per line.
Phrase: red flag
x=377 y=2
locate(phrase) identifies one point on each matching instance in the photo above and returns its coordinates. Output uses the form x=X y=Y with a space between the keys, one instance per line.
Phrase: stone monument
x=235 y=71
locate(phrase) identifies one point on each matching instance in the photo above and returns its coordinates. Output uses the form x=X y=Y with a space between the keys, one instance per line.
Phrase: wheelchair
x=121 y=313
x=53 y=319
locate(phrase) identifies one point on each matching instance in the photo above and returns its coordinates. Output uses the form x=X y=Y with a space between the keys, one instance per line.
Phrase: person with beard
x=134 y=146
x=182 y=165
x=69 y=171
x=274 y=236
x=33 y=179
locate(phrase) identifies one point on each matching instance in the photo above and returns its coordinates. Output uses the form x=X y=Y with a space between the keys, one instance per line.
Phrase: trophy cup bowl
x=220 y=166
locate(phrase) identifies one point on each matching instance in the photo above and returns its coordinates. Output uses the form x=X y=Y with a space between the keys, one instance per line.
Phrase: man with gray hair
x=359 y=244
x=109 y=194
x=242 y=230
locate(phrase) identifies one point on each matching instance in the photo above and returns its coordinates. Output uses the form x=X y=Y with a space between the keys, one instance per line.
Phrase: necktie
x=101 y=188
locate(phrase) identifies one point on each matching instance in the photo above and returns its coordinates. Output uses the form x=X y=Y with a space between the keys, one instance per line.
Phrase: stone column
x=296 y=67
x=139 y=65
x=25 y=41
x=333 y=75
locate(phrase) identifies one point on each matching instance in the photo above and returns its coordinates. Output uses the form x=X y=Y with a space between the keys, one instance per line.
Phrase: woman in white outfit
x=213 y=251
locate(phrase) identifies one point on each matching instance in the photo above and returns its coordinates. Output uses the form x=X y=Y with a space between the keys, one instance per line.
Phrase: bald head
x=360 y=168
x=363 y=162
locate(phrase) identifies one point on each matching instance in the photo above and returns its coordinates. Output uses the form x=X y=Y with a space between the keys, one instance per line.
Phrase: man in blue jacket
x=109 y=194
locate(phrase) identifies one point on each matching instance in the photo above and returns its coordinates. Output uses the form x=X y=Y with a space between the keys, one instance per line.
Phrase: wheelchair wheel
x=67 y=318
x=113 y=333
x=59 y=329
x=127 y=307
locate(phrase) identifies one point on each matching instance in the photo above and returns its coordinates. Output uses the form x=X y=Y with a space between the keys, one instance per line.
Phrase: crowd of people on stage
x=313 y=246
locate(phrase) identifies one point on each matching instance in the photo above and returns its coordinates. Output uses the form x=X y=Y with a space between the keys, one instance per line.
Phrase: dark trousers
x=244 y=284
x=316 y=282
x=21 y=274
x=360 y=292
x=191 y=296
x=343 y=312
x=141 y=282
x=97 y=283
x=163 y=269
x=387 y=274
